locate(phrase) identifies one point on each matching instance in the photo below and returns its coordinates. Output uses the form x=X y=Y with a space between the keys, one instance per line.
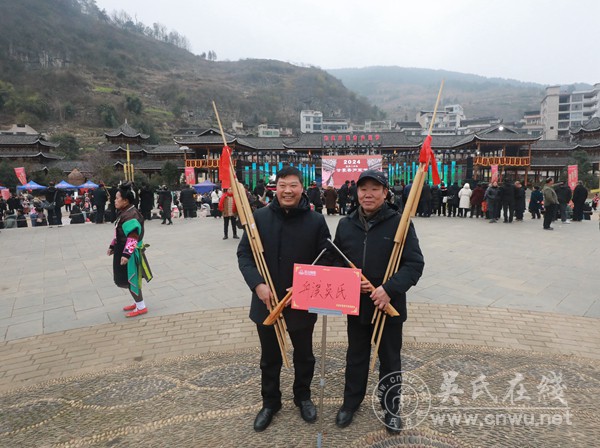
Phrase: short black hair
x=288 y=171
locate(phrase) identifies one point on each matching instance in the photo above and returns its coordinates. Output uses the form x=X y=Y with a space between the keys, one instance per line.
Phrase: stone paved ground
x=512 y=288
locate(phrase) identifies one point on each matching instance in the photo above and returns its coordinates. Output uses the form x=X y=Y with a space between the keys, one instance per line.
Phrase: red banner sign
x=20 y=172
x=573 y=176
x=190 y=176
x=338 y=169
x=494 y=173
x=326 y=288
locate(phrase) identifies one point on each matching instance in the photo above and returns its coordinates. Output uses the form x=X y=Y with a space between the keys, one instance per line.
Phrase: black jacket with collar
x=370 y=250
x=288 y=237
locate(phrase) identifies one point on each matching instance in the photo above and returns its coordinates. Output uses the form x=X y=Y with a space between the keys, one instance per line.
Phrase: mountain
x=401 y=92
x=67 y=67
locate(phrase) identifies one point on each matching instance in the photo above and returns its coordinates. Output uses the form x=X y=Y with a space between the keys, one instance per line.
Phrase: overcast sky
x=549 y=42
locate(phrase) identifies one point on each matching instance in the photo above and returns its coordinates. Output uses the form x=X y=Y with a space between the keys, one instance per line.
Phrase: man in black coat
x=564 y=194
x=165 y=200
x=366 y=237
x=343 y=197
x=146 y=201
x=100 y=198
x=187 y=197
x=290 y=233
x=314 y=196
x=54 y=196
x=508 y=200
x=519 y=201
x=579 y=196
x=352 y=195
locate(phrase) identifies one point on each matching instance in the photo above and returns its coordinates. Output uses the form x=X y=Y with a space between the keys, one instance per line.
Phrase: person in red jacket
x=476 y=201
x=229 y=211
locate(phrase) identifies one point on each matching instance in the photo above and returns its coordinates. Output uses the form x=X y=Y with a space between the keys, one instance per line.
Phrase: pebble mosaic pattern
x=211 y=401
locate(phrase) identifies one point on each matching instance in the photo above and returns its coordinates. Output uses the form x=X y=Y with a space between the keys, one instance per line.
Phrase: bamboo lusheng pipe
x=256 y=246
x=400 y=238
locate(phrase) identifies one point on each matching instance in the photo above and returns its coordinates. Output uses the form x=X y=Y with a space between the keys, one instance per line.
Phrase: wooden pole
x=400 y=239
x=256 y=246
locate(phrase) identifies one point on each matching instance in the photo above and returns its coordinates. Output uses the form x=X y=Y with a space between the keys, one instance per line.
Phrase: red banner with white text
x=20 y=172
x=573 y=176
x=190 y=176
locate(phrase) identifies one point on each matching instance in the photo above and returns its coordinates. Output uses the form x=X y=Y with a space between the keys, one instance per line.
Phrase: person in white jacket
x=464 y=204
x=215 y=197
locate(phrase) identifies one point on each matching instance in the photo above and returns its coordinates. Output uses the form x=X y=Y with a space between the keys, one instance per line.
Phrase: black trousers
x=358 y=359
x=271 y=362
x=508 y=210
x=578 y=211
x=549 y=212
x=100 y=214
x=226 y=221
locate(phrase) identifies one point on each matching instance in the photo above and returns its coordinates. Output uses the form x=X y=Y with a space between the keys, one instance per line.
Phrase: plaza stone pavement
x=493 y=298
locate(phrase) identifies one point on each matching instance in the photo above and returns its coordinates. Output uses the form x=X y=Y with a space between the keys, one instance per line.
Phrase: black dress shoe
x=308 y=411
x=393 y=423
x=344 y=417
x=263 y=419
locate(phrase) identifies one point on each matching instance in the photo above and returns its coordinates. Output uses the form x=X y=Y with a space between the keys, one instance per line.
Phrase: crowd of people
x=509 y=200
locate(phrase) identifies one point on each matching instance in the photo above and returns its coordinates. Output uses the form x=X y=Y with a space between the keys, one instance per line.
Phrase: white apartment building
x=266 y=130
x=311 y=121
x=564 y=107
x=447 y=119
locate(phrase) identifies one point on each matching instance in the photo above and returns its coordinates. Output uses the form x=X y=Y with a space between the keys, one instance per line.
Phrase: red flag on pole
x=224 y=163
x=427 y=156
x=20 y=172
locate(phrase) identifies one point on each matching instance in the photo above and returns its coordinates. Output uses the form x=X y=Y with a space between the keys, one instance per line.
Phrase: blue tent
x=64 y=185
x=204 y=187
x=89 y=185
x=31 y=185
x=2 y=188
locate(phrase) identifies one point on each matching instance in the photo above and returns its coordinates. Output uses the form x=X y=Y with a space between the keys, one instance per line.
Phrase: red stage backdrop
x=338 y=169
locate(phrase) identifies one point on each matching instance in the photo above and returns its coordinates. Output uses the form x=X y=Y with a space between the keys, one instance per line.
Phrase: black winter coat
x=295 y=236
x=563 y=193
x=370 y=251
x=507 y=194
x=314 y=196
x=436 y=197
x=579 y=194
x=186 y=197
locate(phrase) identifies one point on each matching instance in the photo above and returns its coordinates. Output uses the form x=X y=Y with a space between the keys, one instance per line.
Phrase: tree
x=8 y=178
x=108 y=115
x=133 y=104
x=170 y=173
x=584 y=168
x=69 y=145
x=100 y=165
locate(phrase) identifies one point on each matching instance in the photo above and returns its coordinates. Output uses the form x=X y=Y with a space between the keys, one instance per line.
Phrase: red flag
x=428 y=157
x=20 y=172
x=224 y=163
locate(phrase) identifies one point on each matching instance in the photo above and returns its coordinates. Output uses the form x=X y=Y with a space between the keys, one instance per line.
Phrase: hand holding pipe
x=389 y=309
x=276 y=312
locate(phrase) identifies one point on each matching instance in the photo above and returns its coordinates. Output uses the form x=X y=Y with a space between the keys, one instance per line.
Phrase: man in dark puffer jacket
x=290 y=233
